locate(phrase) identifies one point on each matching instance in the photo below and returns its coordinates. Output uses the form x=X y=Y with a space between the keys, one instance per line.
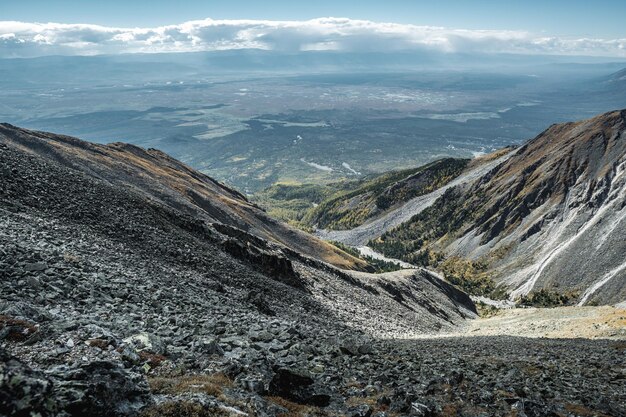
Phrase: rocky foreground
x=117 y=301
x=274 y=370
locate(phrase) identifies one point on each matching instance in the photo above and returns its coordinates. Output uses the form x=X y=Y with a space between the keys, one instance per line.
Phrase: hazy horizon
x=40 y=28
x=259 y=93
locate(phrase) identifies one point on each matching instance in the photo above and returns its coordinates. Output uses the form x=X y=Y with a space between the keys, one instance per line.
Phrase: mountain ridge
x=44 y=176
x=530 y=215
x=178 y=186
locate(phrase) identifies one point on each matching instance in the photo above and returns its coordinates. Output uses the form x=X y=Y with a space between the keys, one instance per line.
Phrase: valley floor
x=604 y=322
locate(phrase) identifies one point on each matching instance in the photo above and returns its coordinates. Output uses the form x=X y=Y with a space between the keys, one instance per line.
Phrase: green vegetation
x=548 y=298
x=486 y=310
x=379 y=266
x=371 y=197
x=471 y=277
x=347 y=204
x=291 y=202
x=410 y=240
x=212 y=385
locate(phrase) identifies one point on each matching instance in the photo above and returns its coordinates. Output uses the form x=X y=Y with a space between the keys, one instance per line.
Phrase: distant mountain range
x=147 y=67
x=618 y=77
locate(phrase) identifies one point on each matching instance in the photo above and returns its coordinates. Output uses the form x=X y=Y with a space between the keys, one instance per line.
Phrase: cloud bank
x=20 y=39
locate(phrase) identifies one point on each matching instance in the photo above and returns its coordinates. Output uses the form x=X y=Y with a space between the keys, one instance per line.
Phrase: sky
x=85 y=27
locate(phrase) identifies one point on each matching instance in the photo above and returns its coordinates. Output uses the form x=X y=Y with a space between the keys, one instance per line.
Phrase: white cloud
x=20 y=39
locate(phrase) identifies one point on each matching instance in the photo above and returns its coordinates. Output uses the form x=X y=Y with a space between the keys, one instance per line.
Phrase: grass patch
x=295 y=409
x=182 y=409
x=208 y=384
x=19 y=330
x=152 y=359
x=582 y=411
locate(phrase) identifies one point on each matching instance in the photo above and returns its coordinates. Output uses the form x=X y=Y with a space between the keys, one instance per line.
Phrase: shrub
x=548 y=298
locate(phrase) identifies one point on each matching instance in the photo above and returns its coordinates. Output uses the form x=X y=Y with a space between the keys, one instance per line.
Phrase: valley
x=180 y=296
x=251 y=128
x=556 y=194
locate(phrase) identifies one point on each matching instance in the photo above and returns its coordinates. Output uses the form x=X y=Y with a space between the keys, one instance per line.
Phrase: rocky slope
x=552 y=216
x=120 y=264
x=161 y=178
x=120 y=297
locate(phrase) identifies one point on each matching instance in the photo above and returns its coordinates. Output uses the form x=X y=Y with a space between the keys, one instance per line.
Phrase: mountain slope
x=617 y=79
x=372 y=198
x=116 y=303
x=401 y=213
x=347 y=204
x=162 y=178
x=551 y=216
x=141 y=201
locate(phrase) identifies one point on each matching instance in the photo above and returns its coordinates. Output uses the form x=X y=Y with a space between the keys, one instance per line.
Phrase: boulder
x=35 y=266
x=99 y=389
x=24 y=391
x=296 y=385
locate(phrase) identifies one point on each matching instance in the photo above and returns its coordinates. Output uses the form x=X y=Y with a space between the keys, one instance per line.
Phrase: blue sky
x=71 y=27
x=590 y=18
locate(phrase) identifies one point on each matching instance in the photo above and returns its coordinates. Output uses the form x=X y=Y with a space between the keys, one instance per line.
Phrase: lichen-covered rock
x=100 y=389
x=24 y=392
